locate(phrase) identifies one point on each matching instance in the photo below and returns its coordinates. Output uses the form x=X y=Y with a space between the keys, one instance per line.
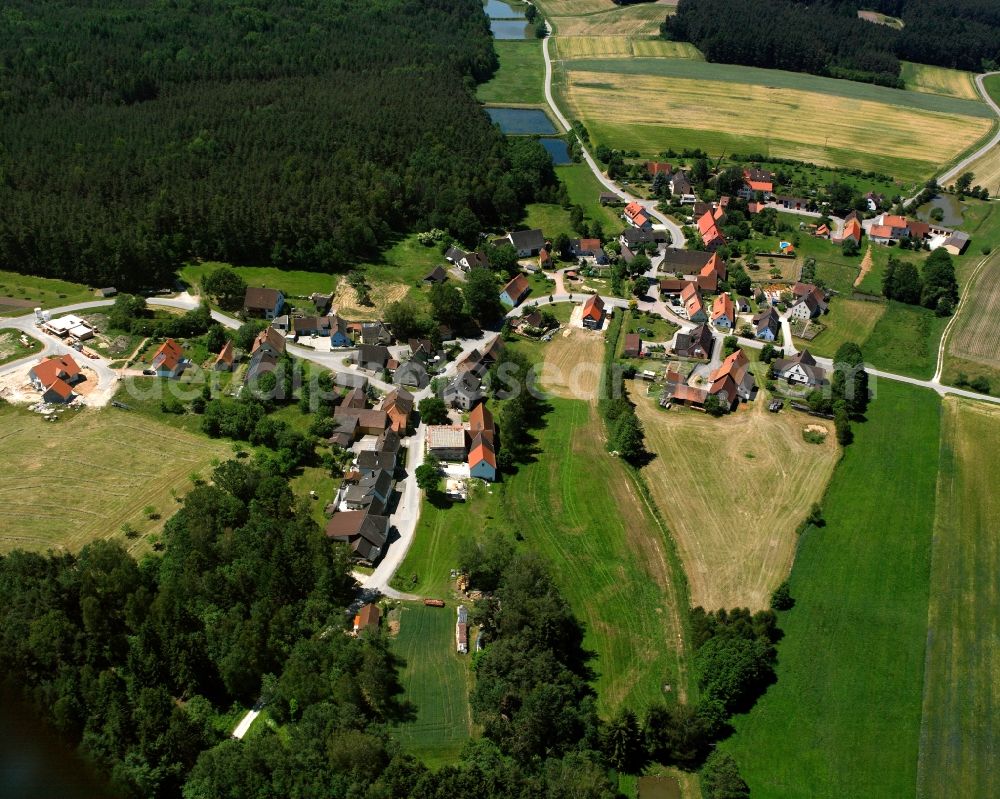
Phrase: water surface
x=522 y=120
x=558 y=150
x=505 y=29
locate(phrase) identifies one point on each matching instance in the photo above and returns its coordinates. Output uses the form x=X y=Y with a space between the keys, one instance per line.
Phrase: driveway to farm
x=676 y=236
x=956 y=170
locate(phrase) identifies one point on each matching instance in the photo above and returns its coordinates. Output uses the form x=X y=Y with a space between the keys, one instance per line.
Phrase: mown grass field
x=939 y=80
x=70 y=482
x=520 y=77
x=19 y=294
x=437 y=680
x=652 y=104
x=733 y=491
x=579 y=509
x=987 y=168
x=959 y=736
x=848 y=320
x=904 y=340
x=573 y=364
x=974 y=337
x=584 y=190
x=844 y=717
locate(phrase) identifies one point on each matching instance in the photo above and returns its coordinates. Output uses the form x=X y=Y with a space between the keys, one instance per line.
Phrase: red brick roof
x=710 y=232
x=593 y=308
x=633 y=209
x=723 y=306
x=171 y=353
x=482 y=450
x=481 y=420
x=516 y=287
x=51 y=369
x=226 y=354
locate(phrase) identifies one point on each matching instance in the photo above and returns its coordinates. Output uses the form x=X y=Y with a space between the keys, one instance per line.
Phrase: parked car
x=150 y=372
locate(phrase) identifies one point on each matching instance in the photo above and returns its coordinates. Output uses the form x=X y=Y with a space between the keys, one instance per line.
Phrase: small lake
x=946 y=202
x=522 y=120
x=505 y=29
x=558 y=150
x=497 y=9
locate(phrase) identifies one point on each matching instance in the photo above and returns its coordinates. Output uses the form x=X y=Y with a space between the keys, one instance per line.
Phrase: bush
x=980 y=384
x=782 y=599
x=171 y=405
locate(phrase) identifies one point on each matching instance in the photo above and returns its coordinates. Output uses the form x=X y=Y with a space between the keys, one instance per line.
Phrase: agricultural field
x=521 y=76
x=652 y=104
x=573 y=364
x=939 y=80
x=958 y=738
x=987 y=168
x=851 y=664
x=105 y=466
x=20 y=294
x=637 y=21
x=578 y=508
x=437 y=680
x=11 y=348
x=973 y=337
x=848 y=320
x=733 y=491
x=904 y=340
x=622 y=46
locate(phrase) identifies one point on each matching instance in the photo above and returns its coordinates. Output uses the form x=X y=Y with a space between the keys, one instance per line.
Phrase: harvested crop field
x=651 y=104
x=633 y=20
x=568 y=47
x=939 y=80
x=733 y=491
x=109 y=465
x=573 y=362
x=987 y=168
x=975 y=335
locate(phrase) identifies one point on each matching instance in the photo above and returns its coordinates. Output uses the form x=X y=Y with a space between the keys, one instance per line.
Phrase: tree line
x=826 y=37
x=307 y=135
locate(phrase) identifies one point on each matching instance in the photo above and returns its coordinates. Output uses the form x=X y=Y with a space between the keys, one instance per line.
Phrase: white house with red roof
x=637 y=216
x=169 y=360
x=756 y=180
x=593 y=313
x=708 y=228
x=55 y=378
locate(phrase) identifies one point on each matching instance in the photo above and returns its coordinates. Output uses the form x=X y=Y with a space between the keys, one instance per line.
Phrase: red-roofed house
x=692 y=304
x=169 y=360
x=224 y=361
x=852 y=229
x=593 y=312
x=515 y=290
x=755 y=180
x=710 y=233
x=55 y=378
x=723 y=312
x=654 y=168
x=482 y=459
x=711 y=273
x=733 y=380
x=636 y=216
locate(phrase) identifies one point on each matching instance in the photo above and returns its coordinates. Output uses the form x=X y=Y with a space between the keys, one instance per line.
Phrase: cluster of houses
x=890 y=229
x=473 y=443
x=731 y=382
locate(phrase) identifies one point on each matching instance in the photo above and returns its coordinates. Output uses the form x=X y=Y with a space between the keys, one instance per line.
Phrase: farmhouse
x=756 y=180
x=398 y=405
x=526 y=242
x=590 y=249
x=766 y=324
x=723 y=312
x=481 y=422
x=356 y=398
x=809 y=302
x=366 y=533
x=375 y=333
x=370 y=493
x=55 y=378
x=654 y=168
x=633 y=238
x=801 y=368
x=370 y=462
x=956 y=243
x=692 y=304
x=593 y=312
x=515 y=290
x=680 y=186
x=368 y=616
x=262 y=303
x=696 y=343
x=313 y=325
x=466 y=261
x=446 y=442
x=711 y=236
x=636 y=215
x=373 y=357
x=261 y=362
x=633 y=346
x=733 y=380
x=269 y=341
x=340 y=335
x=169 y=360
x=672 y=287
x=225 y=359
x=679 y=393
x=464 y=391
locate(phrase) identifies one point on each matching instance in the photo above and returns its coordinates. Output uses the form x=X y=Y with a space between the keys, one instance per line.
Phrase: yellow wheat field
x=641 y=20
x=568 y=47
x=810 y=119
x=661 y=48
x=939 y=80
x=570 y=8
x=987 y=171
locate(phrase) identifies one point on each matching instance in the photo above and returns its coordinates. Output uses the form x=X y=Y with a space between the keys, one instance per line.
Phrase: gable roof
x=226 y=354
x=261 y=299
x=633 y=209
x=767 y=319
x=169 y=354
x=700 y=336
x=632 y=342
x=481 y=420
x=271 y=337
x=436 y=275
x=481 y=450
x=532 y=239
x=49 y=370
x=373 y=353
x=709 y=230
x=723 y=306
x=516 y=287
x=758 y=179
x=593 y=308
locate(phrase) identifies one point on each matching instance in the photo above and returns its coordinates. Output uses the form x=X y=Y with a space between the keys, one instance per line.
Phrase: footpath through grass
x=437 y=680
x=844 y=717
x=960 y=736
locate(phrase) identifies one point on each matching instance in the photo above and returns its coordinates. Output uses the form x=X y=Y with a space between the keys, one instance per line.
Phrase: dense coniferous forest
x=825 y=37
x=135 y=135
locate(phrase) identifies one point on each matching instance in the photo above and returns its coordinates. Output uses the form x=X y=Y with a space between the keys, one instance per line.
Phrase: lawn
x=550 y=218
x=585 y=191
x=938 y=80
x=848 y=320
x=844 y=717
x=104 y=466
x=19 y=294
x=520 y=77
x=649 y=329
x=437 y=680
x=11 y=348
x=733 y=491
x=905 y=340
x=959 y=736
x=655 y=103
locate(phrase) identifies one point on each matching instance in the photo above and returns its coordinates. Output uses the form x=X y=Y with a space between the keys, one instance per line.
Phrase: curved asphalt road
x=677 y=237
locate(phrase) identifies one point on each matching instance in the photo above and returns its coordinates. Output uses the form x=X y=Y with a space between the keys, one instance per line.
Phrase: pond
x=946 y=202
x=34 y=762
x=504 y=29
x=522 y=120
x=497 y=9
x=558 y=150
